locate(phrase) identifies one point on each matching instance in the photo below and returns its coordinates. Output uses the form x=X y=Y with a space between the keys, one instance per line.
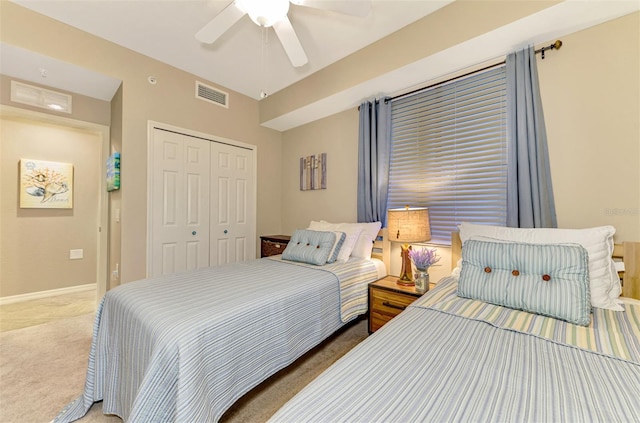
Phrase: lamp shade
x=409 y=224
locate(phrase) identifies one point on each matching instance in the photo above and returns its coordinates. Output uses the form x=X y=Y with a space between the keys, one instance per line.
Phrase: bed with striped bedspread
x=185 y=347
x=449 y=359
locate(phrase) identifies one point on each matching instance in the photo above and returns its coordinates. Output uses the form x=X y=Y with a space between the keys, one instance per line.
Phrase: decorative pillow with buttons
x=547 y=279
x=306 y=246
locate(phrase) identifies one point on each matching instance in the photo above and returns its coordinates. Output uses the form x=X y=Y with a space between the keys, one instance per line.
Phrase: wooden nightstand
x=271 y=245
x=387 y=299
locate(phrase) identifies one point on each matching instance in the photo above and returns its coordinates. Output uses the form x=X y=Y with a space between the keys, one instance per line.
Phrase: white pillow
x=598 y=241
x=368 y=234
x=351 y=236
x=455 y=273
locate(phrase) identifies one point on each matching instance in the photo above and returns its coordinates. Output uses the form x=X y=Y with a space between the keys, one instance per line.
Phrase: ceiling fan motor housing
x=264 y=12
x=273 y=13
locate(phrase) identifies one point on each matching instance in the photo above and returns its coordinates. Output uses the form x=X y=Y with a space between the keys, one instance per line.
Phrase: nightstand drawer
x=273 y=245
x=389 y=303
x=385 y=305
x=387 y=299
x=270 y=248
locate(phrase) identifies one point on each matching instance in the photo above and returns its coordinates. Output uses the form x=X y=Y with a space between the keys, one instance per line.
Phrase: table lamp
x=407 y=225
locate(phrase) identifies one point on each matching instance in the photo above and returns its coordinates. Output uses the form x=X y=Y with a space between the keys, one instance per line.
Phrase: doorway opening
x=51 y=252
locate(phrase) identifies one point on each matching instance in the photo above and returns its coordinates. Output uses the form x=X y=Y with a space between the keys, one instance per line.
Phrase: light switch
x=76 y=254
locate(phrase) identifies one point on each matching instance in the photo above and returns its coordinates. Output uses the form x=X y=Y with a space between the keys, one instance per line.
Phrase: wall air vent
x=212 y=95
x=40 y=97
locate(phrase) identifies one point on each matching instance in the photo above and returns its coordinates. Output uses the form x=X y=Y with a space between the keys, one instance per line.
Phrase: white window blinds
x=449 y=152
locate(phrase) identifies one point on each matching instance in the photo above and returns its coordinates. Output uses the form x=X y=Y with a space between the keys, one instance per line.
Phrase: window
x=449 y=152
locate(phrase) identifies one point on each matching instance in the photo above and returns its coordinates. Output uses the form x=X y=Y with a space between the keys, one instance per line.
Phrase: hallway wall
x=35 y=243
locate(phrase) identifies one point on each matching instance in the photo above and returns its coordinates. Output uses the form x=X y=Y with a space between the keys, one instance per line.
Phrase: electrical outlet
x=76 y=254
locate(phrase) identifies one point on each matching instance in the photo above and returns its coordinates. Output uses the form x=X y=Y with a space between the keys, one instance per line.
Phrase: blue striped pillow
x=311 y=247
x=335 y=250
x=547 y=279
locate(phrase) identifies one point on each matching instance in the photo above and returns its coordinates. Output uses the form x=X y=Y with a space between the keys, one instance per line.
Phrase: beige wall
x=591 y=94
x=170 y=101
x=36 y=242
x=590 y=91
x=337 y=136
x=115 y=198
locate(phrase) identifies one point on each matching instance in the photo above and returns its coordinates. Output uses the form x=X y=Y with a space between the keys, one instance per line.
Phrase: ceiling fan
x=273 y=13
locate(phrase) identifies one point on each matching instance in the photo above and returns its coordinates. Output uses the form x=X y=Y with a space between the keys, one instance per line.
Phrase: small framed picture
x=46 y=185
x=113 y=172
x=313 y=172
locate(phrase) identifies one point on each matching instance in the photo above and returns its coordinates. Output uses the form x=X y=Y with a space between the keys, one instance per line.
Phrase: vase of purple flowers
x=422 y=259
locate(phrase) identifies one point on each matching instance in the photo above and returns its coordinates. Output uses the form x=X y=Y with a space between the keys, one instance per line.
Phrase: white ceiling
x=164 y=30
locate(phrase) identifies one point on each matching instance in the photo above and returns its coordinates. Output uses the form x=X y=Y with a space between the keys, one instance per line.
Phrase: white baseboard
x=45 y=294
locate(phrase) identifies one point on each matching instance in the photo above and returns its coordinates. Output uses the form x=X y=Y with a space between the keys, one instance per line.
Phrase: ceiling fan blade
x=290 y=42
x=220 y=24
x=359 y=8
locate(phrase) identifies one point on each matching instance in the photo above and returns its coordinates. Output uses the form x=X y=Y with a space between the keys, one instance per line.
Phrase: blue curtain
x=530 y=202
x=374 y=146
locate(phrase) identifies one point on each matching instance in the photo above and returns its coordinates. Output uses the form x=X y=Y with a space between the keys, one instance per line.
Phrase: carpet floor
x=43 y=310
x=42 y=368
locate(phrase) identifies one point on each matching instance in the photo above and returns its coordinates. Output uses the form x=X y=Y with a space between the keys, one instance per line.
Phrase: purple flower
x=424 y=257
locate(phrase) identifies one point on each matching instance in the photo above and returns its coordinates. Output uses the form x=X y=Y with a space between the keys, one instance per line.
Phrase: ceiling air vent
x=212 y=95
x=40 y=97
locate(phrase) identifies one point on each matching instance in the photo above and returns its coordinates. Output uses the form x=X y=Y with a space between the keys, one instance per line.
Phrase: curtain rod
x=553 y=46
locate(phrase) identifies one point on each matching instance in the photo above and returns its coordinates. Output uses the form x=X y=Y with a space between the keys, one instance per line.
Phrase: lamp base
x=406 y=276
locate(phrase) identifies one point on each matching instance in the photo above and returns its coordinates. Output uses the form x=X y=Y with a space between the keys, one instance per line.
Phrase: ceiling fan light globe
x=264 y=12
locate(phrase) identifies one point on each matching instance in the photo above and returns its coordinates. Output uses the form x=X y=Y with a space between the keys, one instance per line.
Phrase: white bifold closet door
x=233 y=208
x=202 y=207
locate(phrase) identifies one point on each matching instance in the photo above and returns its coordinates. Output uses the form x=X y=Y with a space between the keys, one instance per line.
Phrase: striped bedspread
x=185 y=347
x=433 y=365
x=354 y=277
x=612 y=333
